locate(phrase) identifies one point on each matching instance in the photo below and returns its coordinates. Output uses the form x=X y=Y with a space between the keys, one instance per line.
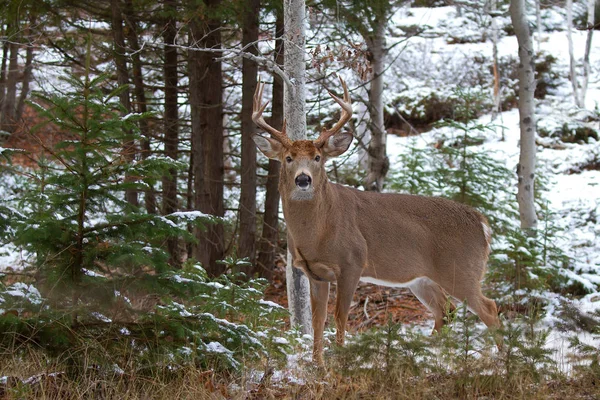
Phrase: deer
x=436 y=247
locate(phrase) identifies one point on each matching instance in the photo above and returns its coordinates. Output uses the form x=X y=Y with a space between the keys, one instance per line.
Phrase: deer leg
x=434 y=298
x=480 y=305
x=319 y=294
x=346 y=286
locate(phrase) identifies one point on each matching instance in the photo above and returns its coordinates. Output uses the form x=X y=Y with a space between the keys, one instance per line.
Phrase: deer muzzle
x=303 y=181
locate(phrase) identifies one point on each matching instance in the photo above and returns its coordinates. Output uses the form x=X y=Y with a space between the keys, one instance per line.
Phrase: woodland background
x=143 y=246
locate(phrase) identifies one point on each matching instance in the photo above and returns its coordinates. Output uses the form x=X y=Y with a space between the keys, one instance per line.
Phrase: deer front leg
x=319 y=294
x=346 y=286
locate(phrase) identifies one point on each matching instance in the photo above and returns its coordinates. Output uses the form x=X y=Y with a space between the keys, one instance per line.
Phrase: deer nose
x=303 y=181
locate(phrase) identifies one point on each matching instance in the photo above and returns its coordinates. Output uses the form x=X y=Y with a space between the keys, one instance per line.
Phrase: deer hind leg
x=434 y=298
x=319 y=295
x=484 y=308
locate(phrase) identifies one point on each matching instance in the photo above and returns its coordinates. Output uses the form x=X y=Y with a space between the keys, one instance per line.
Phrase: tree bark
x=140 y=95
x=171 y=121
x=378 y=163
x=5 y=52
x=526 y=166
x=538 y=18
x=588 y=48
x=9 y=106
x=496 y=94
x=572 y=62
x=298 y=287
x=195 y=71
x=247 y=237
x=119 y=51
x=270 y=231
x=27 y=75
x=210 y=200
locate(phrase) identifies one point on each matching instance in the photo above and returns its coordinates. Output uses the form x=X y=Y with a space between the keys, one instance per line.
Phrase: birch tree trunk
x=538 y=17
x=294 y=100
x=496 y=94
x=588 y=47
x=572 y=62
x=378 y=163
x=526 y=166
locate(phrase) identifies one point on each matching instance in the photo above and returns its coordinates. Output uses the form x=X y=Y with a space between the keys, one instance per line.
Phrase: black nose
x=303 y=181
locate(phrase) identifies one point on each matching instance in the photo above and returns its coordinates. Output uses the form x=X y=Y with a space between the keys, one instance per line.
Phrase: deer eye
x=318 y=158
x=288 y=159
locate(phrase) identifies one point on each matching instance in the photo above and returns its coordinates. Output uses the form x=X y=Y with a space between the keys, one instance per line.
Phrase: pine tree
x=107 y=294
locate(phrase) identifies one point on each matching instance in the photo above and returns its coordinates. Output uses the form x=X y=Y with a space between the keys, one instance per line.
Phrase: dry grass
x=34 y=377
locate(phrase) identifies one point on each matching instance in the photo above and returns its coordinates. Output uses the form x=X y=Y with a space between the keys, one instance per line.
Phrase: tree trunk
x=123 y=79
x=378 y=161
x=247 y=237
x=588 y=47
x=572 y=61
x=363 y=134
x=210 y=200
x=538 y=17
x=526 y=166
x=270 y=231
x=496 y=94
x=298 y=286
x=171 y=120
x=140 y=95
x=195 y=71
x=27 y=75
x=9 y=106
x=3 y=78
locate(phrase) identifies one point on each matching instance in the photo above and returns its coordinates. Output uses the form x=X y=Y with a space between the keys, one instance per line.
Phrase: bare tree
x=370 y=19
x=247 y=237
x=171 y=118
x=526 y=166
x=572 y=61
x=210 y=201
x=580 y=92
x=139 y=91
x=496 y=94
x=270 y=231
x=591 y=21
x=298 y=287
x=119 y=54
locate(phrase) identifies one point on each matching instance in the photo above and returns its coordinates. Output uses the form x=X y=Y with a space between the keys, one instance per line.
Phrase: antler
x=257 y=110
x=346 y=105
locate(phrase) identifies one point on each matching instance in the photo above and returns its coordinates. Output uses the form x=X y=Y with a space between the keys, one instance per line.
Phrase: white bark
x=572 y=62
x=378 y=161
x=298 y=287
x=363 y=135
x=588 y=47
x=526 y=166
x=538 y=16
x=496 y=94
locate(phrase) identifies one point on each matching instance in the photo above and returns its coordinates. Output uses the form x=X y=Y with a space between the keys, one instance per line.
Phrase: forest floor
x=372 y=305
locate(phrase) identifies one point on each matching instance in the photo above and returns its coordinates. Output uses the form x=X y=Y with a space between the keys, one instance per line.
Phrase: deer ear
x=268 y=146
x=337 y=144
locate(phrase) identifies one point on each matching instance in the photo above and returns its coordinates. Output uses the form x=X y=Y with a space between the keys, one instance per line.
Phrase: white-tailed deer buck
x=436 y=247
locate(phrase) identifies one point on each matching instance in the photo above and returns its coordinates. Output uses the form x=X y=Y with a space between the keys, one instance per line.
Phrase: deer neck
x=306 y=218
